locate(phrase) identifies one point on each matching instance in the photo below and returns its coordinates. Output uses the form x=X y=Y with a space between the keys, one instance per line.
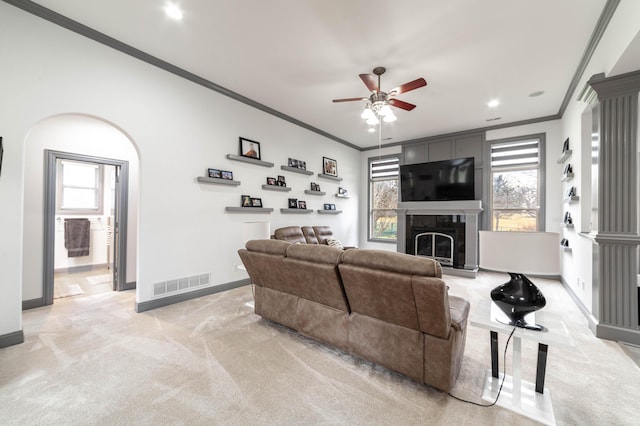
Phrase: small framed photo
x=327 y=206
x=565 y=146
x=256 y=202
x=215 y=173
x=329 y=166
x=293 y=203
x=302 y=204
x=302 y=165
x=271 y=181
x=227 y=174
x=281 y=181
x=292 y=162
x=314 y=186
x=245 y=201
x=249 y=148
x=342 y=191
x=333 y=206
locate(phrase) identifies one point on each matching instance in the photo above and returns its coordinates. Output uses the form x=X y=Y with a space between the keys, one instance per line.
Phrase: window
x=516 y=192
x=383 y=198
x=79 y=188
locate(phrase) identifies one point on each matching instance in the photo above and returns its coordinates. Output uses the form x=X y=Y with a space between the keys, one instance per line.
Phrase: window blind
x=515 y=153
x=384 y=168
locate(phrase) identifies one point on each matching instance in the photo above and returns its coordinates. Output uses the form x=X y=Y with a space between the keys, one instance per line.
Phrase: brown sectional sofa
x=390 y=308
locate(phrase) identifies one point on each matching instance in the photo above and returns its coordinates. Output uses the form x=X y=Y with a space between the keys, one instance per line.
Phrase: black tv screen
x=448 y=180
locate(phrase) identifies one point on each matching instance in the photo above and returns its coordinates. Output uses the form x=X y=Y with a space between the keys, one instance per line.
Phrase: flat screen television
x=448 y=180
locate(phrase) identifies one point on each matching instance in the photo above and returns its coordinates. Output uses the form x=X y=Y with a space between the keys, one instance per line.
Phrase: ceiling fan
x=379 y=101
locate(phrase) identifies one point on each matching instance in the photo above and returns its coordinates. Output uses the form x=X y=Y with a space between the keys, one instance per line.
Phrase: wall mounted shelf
x=342 y=196
x=322 y=175
x=276 y=188
x=566 y=249
x=571 y=199
x=217 y=181
x=568 y=225
x=248 y=210
x=296 y=170
x=249 y=160
x=566 y=177
x=310 y=192
x=564 y=156
x=329 y=211
x=296 y=211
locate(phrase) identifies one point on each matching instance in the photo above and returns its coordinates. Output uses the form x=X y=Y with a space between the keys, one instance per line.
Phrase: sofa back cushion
x=263 y=260
x=322 y=233
x=312 y=271
x=309 y=235
x=397 y=288
x=292 y=234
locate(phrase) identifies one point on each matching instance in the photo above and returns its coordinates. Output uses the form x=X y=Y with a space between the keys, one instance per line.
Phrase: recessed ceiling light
x=493 y=103
x=173 y=11
x=537 y=93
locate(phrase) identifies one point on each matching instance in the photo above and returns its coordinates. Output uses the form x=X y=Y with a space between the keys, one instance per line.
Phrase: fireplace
x=446 y=231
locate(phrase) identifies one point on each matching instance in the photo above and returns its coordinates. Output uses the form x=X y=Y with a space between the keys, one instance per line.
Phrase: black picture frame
x=245 y=201
x=293 y=162
x=302 y=165
x=256 y=202
x=293 y=203
x=214 y=173
x=333 y=206
x=342 y=191
x=565 y=146
x=250 y=148
x=271 y=181
x=226 y=174
x=302 y=204
x=314 y=186
x=329 y=166
x=327 y=206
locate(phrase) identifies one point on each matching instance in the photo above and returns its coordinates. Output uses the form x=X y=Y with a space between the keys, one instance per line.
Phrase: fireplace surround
x=444 y=230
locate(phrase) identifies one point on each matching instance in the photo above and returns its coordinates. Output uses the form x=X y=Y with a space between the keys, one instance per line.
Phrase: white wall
x=179 y=129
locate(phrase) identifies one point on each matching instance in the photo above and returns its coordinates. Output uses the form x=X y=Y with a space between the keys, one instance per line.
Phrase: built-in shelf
x=342 y=196
x=566 y=249
x=296 y=170
x=248 y=209
x=329 y=211
x=218 y=181
x=566 y=154
x=296 y=211
x=567 y=225
x=310 y=192
x=571 y=199
x=276 y=188
x=566 y=177
x=249 y=160
x=322 y=175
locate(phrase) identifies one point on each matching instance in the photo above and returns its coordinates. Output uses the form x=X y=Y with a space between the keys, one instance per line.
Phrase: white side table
x=533 y=401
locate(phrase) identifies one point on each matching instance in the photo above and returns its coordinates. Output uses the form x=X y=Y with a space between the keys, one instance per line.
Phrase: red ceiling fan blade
x=371 y=81
x=401 y=104
x=412 y=85
x=350 y=99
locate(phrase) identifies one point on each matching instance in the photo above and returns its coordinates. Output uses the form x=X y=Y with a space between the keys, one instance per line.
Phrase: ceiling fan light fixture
x=373 y=120
x=367 y=113
x=390 y=118
x=385 y=110
x=173 y=11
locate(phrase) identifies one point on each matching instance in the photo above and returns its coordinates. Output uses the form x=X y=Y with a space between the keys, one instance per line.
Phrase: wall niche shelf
x=249 y=160
x=276 y=188
x=329 y=211
x=566 y=177
x=310 y=192
x=248 y=209
x=296 y=170
x=296 y=211
x=217 y=181
x=567 y=225
x=342 y=196
x=571 y=199
x=322 y=175
x=566 y=154
x=566 y=249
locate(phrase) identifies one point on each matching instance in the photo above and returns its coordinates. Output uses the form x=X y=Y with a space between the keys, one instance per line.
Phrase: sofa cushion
x=332 y=242
x=268 y=246
x=393 y=262
x=292 y=234
x=322 y=233
x=314 y=253
x=309 y=234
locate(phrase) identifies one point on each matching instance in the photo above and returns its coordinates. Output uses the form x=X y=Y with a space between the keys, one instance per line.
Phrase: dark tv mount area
x=447 y=180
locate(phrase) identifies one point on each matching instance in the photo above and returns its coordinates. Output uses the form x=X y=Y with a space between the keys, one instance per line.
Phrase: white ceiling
x=295 y=56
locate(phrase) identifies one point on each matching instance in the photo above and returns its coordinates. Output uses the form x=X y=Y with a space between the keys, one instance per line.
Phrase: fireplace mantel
x=471 y=209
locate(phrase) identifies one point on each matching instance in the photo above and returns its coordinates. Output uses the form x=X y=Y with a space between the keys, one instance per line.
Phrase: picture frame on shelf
x=249 y=148
x=327 y=206
x=565 y=146
x=302 y=165
x=281 y=181
x=314 y=186
x=329 y=166
x=271 y=181
x=245 y=201
x=292 y=162
x=214 y=173
x=302 y=204
x=333 y=206
x=293 y=203
x=256 y=202
x=342 y=191
x=227 y=175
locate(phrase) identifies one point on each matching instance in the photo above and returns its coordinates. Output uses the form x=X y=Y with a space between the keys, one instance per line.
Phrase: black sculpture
x=518 y=298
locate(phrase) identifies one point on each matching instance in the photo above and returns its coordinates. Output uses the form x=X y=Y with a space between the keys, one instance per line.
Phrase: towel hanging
x=77 y=237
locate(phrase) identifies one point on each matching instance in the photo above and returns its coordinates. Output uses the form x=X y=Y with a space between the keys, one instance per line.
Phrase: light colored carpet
x=100 y=279
x=93 y=360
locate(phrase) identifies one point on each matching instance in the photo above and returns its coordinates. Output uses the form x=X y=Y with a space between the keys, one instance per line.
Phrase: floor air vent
x=178 y=284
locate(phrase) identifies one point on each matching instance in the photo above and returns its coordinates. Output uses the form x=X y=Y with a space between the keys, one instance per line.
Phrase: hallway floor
x=83 y=283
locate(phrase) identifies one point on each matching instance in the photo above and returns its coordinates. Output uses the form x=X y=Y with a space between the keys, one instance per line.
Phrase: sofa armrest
x=459 y=309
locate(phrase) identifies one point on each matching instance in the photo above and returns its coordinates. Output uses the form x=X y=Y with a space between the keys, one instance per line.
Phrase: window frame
x=370 y=209
x=541 y=167
x=99 y=190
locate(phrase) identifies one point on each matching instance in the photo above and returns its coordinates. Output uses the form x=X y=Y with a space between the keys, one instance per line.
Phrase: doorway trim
x=122 y=196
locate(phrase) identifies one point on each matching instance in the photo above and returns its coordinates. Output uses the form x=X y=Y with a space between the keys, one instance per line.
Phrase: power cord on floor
x=504 y=375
